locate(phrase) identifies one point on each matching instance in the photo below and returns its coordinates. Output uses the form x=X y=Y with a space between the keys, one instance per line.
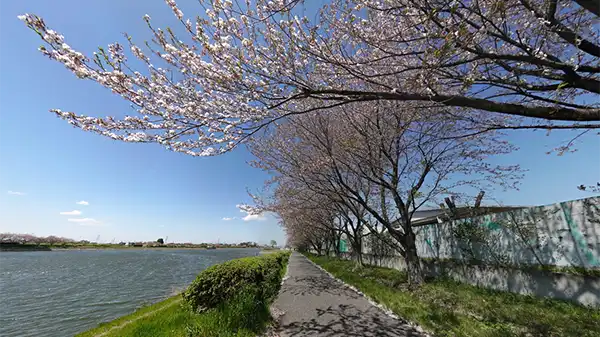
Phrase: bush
x=242 y=315
x=222 y=282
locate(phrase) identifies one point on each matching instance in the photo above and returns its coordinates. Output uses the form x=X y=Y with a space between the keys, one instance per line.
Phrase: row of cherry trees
x=32 y=239
x=364 y=111
x=365 y=168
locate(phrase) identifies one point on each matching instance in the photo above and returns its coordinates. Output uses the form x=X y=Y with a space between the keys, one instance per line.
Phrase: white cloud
x=85 y=221
x=15 y=193
x=251 y=213
x=74 y=212
x=228 y=219
x=82 y=202
x=254 y=217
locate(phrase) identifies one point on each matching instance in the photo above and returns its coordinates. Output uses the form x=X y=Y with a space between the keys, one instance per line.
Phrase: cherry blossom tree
x=307 y=218
x=32 y=239
x=305 y=233
x=305 y=208
x=386 y=160
x=239 y=67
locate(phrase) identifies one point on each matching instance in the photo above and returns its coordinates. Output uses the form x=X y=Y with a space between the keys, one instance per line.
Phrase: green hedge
x=222 y=282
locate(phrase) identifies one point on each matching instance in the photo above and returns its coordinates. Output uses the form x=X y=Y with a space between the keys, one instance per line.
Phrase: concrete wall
x=584 y=290
x=576 y=288
x=565 y=234
x=562 y=234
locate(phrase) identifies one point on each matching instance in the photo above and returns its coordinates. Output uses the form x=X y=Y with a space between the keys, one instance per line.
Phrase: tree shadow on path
x=317 y=285
x=347 y=320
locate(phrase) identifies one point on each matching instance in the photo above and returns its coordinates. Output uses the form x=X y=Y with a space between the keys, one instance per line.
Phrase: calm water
x=61 y=293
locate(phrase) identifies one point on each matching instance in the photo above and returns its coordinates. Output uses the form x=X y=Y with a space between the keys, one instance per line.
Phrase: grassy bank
x=244 y=312
x=151 y=320
x=242 y=317
x=448 y=308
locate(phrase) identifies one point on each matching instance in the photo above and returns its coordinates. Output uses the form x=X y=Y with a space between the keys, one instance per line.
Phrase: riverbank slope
x=243 y=314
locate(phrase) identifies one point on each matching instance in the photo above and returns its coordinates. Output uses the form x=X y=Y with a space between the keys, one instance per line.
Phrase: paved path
x=314 y=304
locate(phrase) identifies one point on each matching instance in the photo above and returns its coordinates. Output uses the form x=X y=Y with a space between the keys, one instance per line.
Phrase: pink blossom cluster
x=242 y=67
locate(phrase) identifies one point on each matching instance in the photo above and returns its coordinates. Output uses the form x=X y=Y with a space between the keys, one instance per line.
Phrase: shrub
x=242 y=315
x=220 y=283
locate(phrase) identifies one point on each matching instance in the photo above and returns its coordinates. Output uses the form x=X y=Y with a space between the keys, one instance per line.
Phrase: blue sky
x=134 y=191
x=140 y=191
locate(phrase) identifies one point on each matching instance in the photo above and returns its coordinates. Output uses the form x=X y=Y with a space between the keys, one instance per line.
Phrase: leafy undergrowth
x=448 y=308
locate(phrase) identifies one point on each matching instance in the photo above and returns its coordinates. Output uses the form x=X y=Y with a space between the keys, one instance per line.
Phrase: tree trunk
x=357 y=255
x=337 y=246
x=317 y=247
x=359 y=259
x=413 y=265
x=357 y=251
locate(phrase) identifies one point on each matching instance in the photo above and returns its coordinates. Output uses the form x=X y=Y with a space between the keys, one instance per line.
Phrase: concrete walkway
x=314 y=304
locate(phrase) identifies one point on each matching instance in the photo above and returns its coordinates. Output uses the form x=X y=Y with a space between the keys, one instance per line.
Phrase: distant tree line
x=16 y=238
x=32 y=239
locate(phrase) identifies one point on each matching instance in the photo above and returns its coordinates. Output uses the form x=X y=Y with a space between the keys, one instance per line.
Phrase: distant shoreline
x=25 y=249
x=142 y=248
x=35 y=248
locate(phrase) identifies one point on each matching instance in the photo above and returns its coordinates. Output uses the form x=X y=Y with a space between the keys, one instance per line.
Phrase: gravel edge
x=276 y=313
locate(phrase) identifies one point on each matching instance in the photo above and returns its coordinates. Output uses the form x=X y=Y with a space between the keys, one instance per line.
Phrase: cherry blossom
x=368 y=167
x=243 y=67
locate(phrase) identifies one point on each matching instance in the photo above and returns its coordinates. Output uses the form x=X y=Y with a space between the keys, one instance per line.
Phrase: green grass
x=448 y=308
x=243 y=316
x=163 y=313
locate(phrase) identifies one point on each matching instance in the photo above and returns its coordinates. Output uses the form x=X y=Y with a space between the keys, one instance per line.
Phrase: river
x=61 y=293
